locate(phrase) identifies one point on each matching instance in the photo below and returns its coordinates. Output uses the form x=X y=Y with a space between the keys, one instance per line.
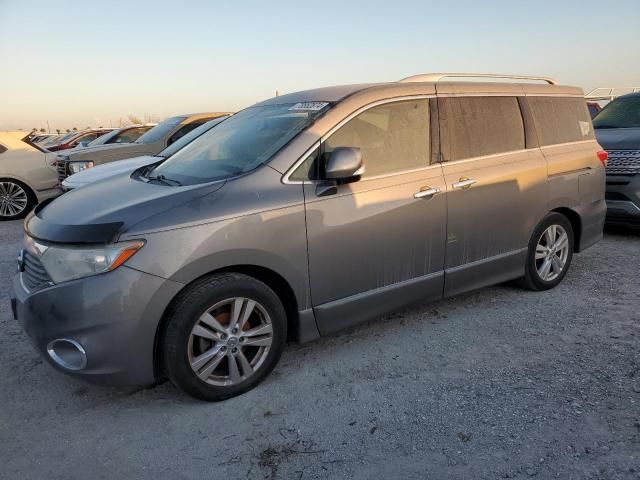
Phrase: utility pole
x=48 y=127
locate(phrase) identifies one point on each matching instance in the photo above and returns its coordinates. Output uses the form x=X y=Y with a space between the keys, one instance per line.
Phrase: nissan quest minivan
x=305 y=214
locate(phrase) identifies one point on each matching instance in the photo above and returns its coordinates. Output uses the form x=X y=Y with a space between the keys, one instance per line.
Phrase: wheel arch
x=32 y=196
x=21 y=180
x=269 y=277
x=576 y=224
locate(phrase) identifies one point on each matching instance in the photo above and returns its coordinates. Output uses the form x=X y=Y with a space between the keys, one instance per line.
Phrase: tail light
x=603 y=156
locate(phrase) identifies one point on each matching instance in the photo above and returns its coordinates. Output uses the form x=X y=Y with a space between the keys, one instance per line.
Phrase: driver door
x=377 y=244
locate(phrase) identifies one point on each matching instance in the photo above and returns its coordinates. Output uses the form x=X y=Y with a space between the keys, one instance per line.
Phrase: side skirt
x=339 y=314
x=488 y=271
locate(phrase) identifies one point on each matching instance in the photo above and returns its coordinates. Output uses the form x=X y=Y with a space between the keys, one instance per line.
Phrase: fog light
x=67 y=353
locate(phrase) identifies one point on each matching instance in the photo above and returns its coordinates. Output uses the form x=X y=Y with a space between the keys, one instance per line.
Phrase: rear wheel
x=225 y=334
x=16 y=199
x=550 y=253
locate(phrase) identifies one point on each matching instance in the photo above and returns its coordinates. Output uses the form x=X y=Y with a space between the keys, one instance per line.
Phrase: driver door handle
x=426 y=192
x=464 y=183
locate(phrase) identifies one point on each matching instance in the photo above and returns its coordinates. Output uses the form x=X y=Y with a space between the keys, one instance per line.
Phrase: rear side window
x=561 y=119
x=392 y=137
x=3 y=148
x=478 y=126
x=186 y=129
x=128 y=136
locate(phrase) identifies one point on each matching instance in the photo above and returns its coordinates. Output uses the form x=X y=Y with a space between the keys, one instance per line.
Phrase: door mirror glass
x=345 y=164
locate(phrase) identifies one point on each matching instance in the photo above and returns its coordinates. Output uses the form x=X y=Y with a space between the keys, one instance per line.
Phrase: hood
x=107 y=170
x=619 y=138
x=112 y=151
x=100 y=213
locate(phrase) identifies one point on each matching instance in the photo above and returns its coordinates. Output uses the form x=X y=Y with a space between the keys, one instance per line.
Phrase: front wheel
x=224 y=335
x=550 y=253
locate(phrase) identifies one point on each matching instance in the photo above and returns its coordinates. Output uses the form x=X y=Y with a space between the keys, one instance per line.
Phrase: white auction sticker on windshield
x=308 y=106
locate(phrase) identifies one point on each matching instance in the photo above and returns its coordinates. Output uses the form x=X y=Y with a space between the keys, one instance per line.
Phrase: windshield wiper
x=161 y=178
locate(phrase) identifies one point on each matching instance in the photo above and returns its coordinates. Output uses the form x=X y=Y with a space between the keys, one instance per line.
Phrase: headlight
x=64 y=263
x=75 y=167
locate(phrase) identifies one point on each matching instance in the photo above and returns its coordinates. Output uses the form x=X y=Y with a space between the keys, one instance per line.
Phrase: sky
x=84 y=63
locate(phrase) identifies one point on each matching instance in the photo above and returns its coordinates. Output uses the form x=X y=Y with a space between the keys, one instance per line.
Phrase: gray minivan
x=303 y=215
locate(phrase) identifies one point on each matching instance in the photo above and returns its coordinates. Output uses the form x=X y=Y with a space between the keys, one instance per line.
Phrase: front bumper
x=113 y=316
x=623 y=198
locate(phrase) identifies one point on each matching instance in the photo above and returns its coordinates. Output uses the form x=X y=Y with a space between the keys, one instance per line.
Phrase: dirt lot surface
x=498 y=383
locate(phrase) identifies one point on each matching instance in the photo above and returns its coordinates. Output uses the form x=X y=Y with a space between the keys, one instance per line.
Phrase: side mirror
x=344 y=165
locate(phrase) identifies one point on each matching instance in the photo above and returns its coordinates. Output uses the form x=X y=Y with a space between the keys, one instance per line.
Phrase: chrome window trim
x=554 y=94
x=484 y=157
x=286 y=178
x=401 y=172
x=588 y=140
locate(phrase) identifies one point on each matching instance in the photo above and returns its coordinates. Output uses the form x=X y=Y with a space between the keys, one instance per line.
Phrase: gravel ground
x=497 y=383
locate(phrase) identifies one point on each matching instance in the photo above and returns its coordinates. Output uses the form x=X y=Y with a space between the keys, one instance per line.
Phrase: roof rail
x=609 y=93
x=436 y=77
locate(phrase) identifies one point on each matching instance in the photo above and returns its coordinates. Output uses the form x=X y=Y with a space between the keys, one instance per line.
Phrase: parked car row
x=300 y=216
x=33 y=172
x=151 y=142
x=90 y=136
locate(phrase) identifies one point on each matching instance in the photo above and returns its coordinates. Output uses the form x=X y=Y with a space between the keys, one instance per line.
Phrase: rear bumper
x=113 y=317
x=623 y=198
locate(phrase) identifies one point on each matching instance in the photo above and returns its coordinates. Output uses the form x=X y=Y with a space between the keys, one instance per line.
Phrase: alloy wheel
x=230 y=341
x=13 y=199
x=552 y=251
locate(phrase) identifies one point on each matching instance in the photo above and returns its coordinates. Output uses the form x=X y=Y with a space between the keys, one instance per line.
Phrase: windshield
x=189 y=137
x=623 y=112
x=241 y=143
x=160 y=131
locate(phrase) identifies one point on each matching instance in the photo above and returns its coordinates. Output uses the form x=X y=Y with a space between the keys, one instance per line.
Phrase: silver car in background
x=91 y=175
x=151 y=142
x=305 y=214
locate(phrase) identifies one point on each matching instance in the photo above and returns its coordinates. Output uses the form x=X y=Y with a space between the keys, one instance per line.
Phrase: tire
x=199 y=353
x=534 y=277
x=16 y=199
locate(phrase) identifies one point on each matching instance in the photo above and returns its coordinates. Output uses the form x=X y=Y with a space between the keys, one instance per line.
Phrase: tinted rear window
x=561 y=119
x=478 y=126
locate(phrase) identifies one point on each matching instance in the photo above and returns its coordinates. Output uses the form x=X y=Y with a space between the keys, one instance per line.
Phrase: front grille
x=623 y=162
x=61 y=167
x=34 y=276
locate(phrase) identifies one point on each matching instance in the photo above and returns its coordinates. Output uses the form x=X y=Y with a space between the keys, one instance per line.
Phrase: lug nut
x=235 y=330
x=223 y=336
x=235 y=350
x=242 y=339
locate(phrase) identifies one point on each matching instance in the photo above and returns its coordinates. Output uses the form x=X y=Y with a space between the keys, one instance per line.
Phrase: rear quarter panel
x=29 y=167
x=576 y=175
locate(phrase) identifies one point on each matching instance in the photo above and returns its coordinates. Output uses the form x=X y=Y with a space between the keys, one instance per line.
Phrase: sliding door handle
x=426 y=192
x=464 y=183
